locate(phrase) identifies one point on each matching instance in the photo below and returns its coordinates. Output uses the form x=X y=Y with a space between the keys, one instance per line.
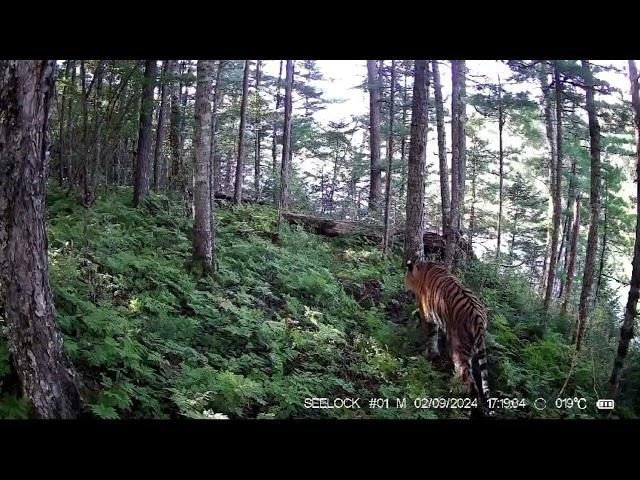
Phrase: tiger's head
x=413 y=275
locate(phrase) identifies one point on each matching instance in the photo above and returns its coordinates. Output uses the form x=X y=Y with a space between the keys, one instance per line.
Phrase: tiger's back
x=445 y=301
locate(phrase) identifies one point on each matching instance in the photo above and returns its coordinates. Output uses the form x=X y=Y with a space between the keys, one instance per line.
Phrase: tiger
x=444 y=303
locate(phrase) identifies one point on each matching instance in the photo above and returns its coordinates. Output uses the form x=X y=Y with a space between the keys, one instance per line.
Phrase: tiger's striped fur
x=447 y=304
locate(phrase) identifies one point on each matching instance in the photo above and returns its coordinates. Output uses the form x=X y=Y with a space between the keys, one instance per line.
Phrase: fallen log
x=434 y=243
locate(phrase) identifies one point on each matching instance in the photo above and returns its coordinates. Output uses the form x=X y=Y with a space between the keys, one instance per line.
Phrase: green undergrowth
x=281 y=321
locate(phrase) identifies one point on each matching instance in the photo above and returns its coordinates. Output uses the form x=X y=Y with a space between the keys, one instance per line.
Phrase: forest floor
x=305 y=318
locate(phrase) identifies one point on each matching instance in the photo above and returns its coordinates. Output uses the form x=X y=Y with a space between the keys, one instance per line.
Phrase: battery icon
x=605 y=404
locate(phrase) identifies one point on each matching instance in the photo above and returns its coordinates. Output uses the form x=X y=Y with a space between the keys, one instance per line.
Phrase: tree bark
x=243 y=120
x=462 y=139
x=274 y=156
x=567 y=228
x=557 y=191
x=63 y=104
x=202 y=251
x=286 y=143
x=375 y=185
x=35 y=343
x=256 y=129
x=454 y=215
x=143 y=157
x=215 y=157
x=551 y=138
x=501 y=122
x=630 y=313
x=603 y=250
x=387 y=199
x=174 y=120
x=414 y=247
x=158 y=167
x=442 y=147
x=573 y=248
x=594 y=207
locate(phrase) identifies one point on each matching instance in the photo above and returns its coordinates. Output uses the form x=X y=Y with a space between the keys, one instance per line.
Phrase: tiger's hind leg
x=463 y=369
x=430 y=332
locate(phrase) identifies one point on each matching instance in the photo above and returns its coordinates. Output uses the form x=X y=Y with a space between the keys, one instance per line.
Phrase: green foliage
x=278 y=323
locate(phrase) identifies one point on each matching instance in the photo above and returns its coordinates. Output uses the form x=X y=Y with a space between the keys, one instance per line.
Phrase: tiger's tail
x=481 y=356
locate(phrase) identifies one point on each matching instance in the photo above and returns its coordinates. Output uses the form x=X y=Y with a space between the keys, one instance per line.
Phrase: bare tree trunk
x=472 y=213
x=389 y=177
x=442 y=147
x=174 y=120
x=557 y=191
x=63 y=104
x=70 y=130
x=35 y=343
x=603 y=250
x=256 y=129
x=143 y=157
x=567 y=228
x=454 y=216
x=501 y=122
x=414 y=246
x=594 y=207
x=202 y=251
x=375 y=185
x=403 y=140
x=162 y=114
x=215 y=157
x=551 y=138
x=630 y=313
x=286 y=143
x=573 y=249
x=462 y=138
x=274 y=156
x=237 y=196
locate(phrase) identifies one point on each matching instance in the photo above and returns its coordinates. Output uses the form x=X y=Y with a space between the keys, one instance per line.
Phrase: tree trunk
x=274 y=156
x=462 y=139
x=174 y=120
x=202 y=251
x=256 y=129
x=594 y=207
x=387 y=199
x=414 y=247
x=551 y=138
x=573 y=248
x=215 y=157
x=403 y=140
x=63 y=104
x=557 y=191
x=143 y=157
x=442 y=147
x=70 y=129
x=630 y=313
x=162 y=114
x=375 y=185
x=567 y=228
x=472 y=213
x=35 y=343
x=243 y=120
x=286 y=143
x=603 y=251
x=501 y=122
x=97 y=130
x=454 y=216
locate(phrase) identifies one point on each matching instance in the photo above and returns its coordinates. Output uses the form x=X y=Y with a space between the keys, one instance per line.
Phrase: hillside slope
x=278 y=323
